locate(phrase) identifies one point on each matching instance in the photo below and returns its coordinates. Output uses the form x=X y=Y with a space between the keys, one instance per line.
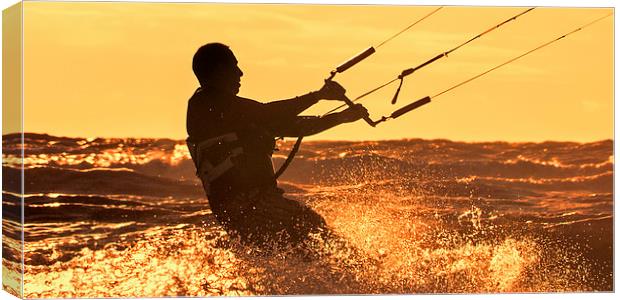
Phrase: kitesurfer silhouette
x=231 y=140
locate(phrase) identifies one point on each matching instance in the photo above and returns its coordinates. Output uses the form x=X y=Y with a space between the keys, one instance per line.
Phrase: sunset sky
x=124 y=69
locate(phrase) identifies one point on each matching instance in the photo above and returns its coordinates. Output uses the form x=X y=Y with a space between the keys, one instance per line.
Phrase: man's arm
x=305 y=126
x=292 y=107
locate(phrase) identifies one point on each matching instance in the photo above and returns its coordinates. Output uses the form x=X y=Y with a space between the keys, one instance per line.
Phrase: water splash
x=411 y=216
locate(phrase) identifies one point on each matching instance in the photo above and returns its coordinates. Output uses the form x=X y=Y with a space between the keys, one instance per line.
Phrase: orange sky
x=124 y=69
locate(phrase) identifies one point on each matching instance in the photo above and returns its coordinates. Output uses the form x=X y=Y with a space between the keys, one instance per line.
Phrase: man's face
x=227 y=76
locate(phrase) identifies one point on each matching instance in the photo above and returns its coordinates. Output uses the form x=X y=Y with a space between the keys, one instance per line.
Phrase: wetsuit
x=245 y=199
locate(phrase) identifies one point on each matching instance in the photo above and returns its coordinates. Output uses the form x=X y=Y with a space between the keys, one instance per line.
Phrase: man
x=231 y=140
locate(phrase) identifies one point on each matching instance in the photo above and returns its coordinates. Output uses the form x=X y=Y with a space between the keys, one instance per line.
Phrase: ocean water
x=128 y=218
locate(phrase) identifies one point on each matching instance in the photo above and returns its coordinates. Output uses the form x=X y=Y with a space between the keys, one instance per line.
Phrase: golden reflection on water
x=11 y=277
x=105 y=158
x=401 y=252
x=395 y=240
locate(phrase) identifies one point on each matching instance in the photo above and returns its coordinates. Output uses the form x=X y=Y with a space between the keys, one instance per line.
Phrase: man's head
x=216 y=67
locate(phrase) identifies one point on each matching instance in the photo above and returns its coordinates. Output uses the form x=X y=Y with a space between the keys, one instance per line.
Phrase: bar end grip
x=407 y=108
x=353 y=61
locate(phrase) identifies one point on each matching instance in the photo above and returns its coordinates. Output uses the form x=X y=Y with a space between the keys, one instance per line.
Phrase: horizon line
x=334 y=140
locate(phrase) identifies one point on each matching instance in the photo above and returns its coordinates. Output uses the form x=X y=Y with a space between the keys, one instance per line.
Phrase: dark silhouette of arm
x=306 y=125
x=290 y=107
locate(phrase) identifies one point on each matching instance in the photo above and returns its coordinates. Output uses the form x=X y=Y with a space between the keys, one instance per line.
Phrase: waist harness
x=214 y=157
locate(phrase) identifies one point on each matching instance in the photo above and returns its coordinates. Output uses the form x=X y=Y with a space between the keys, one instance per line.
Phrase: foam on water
x=127 y=218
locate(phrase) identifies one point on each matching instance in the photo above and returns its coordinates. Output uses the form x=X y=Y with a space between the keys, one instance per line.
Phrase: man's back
x=212 y=114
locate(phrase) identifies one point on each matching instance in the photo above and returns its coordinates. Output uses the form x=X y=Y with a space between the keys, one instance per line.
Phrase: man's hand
x=331 y=90
x=353 y=114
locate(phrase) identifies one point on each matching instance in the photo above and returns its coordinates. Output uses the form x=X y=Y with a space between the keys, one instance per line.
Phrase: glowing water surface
x=126 y=218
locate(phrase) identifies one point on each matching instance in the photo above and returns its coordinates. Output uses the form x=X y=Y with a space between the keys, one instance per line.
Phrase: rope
x=520 y=56
x=489 y=30
x=408 y=72
x=289 y=158
x=408 y=27
x=360 y=97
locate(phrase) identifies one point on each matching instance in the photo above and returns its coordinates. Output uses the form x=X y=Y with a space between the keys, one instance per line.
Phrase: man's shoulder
x=207 y=95
x=202 y=99
x=196 y=95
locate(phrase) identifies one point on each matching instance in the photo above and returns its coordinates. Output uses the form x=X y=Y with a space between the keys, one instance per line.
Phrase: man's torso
x=211 y=114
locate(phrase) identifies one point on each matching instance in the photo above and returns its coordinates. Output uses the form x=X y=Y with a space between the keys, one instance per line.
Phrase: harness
x=208 y=170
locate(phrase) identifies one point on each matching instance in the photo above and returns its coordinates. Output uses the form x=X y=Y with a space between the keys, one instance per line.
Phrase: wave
x=325 y=162
x=496 y=216
x=84 y=211
x=96 y=181
x=366 y=166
